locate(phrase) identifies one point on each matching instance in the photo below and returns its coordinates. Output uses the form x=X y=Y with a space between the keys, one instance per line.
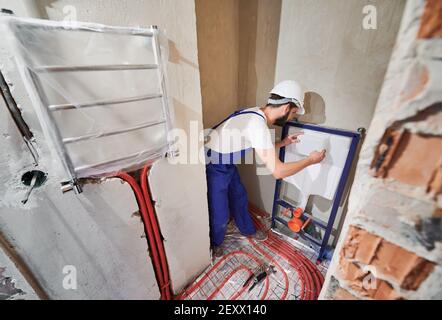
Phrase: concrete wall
x=322 y=44
x=218 y=43
x=259 y=31
x=237 y=44
x=392 y=243
x=98 y=231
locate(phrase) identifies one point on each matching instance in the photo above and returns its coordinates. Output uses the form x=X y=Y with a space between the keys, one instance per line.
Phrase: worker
x=229 y=141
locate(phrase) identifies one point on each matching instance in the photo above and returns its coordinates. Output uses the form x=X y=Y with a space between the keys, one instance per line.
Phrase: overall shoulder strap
x=236 y=113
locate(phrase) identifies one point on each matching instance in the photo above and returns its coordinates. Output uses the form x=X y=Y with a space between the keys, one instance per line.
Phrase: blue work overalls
x=225 y=192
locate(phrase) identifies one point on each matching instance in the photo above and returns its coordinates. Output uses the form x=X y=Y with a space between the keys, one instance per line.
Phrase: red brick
x=415 y=84
x=349 y=271
x=402 y=266
x=431 y=21
x=360 y=245
x=415 y=160
x=357 y=279
x=414 y=279
x=435 y=185
x=385 y=291
x=386 y=149
x=390 y=261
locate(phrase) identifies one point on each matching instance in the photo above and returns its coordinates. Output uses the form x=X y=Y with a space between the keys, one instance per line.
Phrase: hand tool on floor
x=260 y=277
x=255 y=273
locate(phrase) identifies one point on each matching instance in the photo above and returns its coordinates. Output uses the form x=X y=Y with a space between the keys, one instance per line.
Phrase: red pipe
x=156 y=232
x=152 y=231
x=311 y=278
x=206 y=276
x=226 y=280
x=269 y=258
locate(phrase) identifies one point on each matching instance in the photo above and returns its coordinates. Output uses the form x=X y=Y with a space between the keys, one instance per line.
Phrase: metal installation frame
x=327 y=226
x=34 y=71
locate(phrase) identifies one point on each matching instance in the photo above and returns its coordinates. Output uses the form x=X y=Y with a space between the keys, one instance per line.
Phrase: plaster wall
x=218 y=44
x=99 y=231
x=237 y=42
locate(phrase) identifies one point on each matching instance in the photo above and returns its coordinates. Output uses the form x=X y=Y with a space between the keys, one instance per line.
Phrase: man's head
x=282 y=112
x=286 y=100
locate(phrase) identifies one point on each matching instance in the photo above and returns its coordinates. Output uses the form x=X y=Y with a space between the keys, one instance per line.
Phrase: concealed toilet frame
x=319 y=246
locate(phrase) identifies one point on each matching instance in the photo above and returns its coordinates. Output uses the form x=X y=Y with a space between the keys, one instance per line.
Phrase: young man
x=231 y=139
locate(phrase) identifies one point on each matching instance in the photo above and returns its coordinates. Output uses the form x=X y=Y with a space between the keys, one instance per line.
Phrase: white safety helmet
x=291 y=91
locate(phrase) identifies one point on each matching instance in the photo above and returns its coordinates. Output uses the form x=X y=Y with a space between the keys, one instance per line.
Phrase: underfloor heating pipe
x=310 y=279
x=200 y=283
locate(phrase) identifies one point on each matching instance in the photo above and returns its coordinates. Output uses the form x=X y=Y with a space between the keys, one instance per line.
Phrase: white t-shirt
x=241 y=132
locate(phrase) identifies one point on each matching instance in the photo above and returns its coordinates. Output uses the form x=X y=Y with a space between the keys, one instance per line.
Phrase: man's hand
x=281 y=170
x=292 y=138
x=316 y=156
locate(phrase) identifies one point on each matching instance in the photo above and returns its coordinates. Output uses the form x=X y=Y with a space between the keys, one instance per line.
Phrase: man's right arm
x=281 y=170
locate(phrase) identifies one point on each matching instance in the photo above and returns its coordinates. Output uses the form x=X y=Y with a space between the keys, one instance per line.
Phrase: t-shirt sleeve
x=259 y=135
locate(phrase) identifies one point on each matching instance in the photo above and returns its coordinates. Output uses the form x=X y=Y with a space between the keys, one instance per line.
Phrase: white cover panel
x=320 y=179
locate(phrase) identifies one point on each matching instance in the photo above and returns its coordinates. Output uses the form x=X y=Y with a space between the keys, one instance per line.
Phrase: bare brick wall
x=391 y=244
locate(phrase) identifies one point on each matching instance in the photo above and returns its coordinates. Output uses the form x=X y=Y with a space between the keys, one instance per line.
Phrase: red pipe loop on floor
x=310 y=277
x=212 y=270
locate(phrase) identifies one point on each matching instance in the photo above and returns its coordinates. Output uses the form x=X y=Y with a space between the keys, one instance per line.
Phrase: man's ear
x=286 y=108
